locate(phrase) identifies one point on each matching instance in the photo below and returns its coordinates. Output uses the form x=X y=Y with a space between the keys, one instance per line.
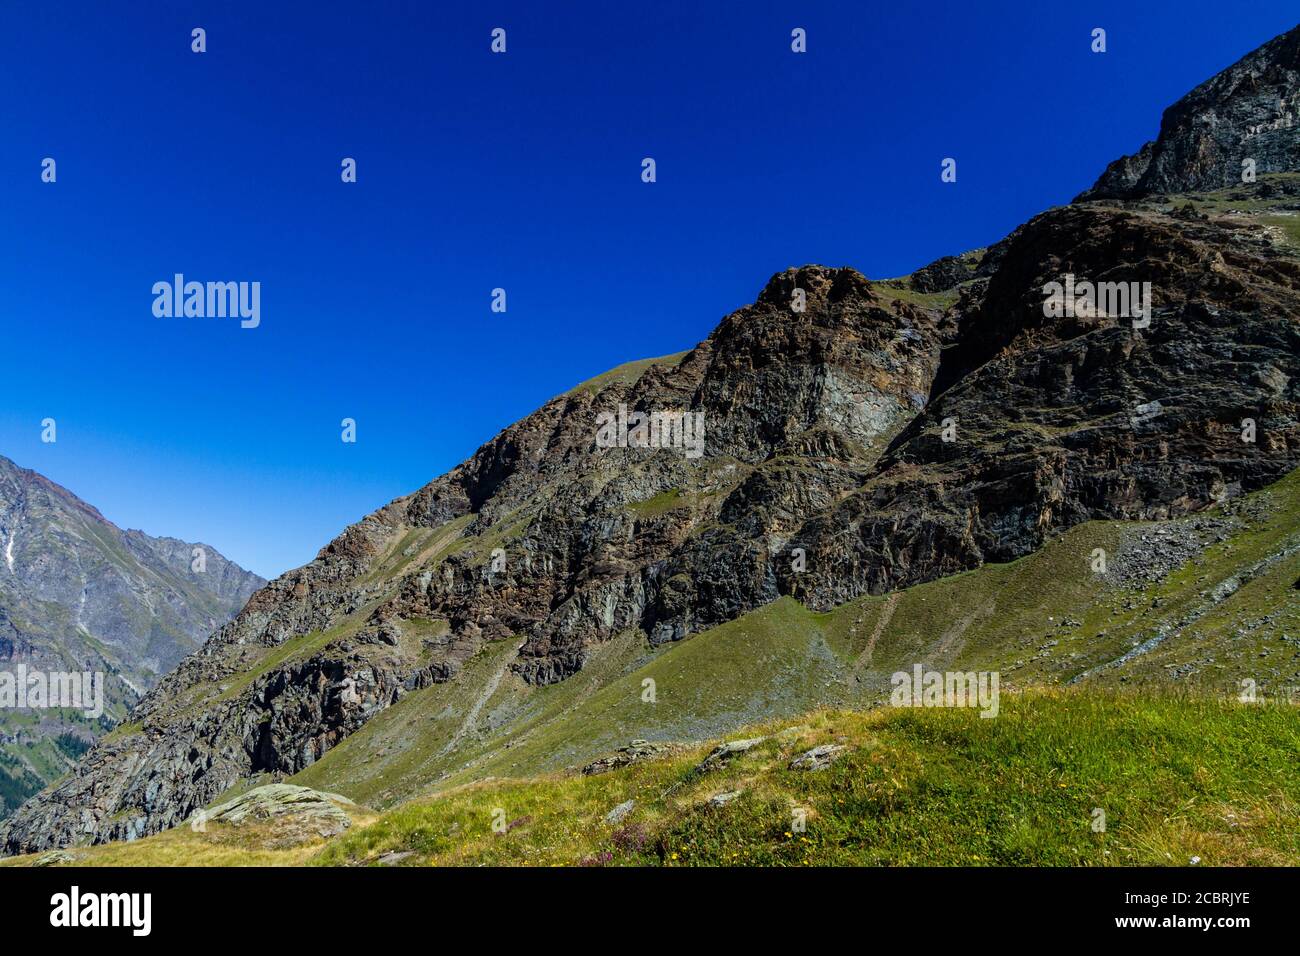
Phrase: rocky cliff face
x=859 y=437
x=79 y=594
x=1057 y=421
x=1249 y=111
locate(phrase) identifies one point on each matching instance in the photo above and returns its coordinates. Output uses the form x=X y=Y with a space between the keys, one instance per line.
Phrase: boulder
x=819 y=758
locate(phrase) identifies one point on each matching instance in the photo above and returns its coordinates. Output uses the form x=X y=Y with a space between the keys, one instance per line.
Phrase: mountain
x=865 y=443
x=79 y=594
x=1120 y=689
x=1249 y=111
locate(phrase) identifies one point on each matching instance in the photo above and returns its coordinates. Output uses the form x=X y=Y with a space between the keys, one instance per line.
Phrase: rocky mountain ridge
x=1248 y=112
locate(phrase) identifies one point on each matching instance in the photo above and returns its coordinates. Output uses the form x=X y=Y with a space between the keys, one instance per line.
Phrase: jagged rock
x=722 y=799
x=54 y=858
x=1033 y=459
x=819 y=758
x=620 y=811
x=634 y=752
x=1250 y=110
x=723 y=754
x=946 y=273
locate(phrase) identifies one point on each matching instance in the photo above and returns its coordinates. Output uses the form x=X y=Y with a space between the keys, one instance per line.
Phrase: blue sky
x=478 y=171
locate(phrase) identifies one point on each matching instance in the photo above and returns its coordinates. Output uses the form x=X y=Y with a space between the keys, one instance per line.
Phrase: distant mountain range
x=79 y=594
x=865 y=443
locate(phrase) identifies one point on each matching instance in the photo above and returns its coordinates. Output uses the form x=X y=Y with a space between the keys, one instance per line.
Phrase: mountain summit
x=860 y=437
x=1249 y=112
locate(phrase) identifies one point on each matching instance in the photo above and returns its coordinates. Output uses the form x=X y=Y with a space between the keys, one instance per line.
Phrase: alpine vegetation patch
x=653 y=429
x=1086 y=300
x=22 y=689
x=209 y=300
x=74 y=909
x=922 y=688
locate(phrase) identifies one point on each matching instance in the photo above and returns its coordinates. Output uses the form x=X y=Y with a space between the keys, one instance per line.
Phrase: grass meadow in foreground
x=1058 y=778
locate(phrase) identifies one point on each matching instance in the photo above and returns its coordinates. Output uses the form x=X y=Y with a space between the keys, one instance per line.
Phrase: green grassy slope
x=1177 y=779
x=1078 y=776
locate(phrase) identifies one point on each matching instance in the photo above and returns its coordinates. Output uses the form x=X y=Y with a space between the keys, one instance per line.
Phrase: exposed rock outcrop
x=298 y=814
x=1249 y=111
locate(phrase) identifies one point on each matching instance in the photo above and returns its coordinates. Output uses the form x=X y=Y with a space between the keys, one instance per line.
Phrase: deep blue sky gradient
x=478 y=171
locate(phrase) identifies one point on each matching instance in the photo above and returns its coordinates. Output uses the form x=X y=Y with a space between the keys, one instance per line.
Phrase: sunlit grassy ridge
x=36 y=747
x=1066 y=777
x=626 y=373
x=1276 y=212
